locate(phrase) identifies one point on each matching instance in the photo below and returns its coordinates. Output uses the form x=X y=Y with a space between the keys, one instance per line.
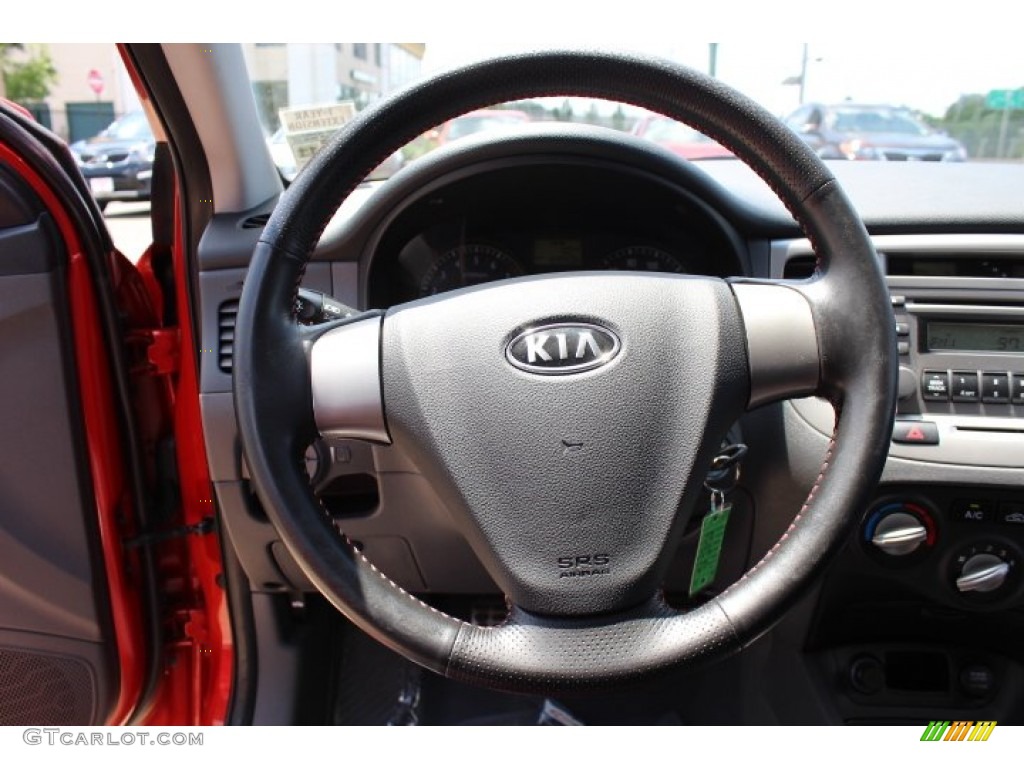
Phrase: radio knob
x=899 y=533
x=982 y=573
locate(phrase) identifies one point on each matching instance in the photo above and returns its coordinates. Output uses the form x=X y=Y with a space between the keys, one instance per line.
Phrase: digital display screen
x=975 y=337
x=558 y=252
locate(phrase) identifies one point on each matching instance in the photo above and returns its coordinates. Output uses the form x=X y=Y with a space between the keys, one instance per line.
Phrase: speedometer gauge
x=465 y=265
x=643 y=258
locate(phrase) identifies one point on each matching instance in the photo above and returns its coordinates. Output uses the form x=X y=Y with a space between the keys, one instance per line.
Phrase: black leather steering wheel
x=641 y=373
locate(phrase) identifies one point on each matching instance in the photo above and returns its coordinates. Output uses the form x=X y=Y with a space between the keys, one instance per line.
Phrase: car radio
x=958 y=306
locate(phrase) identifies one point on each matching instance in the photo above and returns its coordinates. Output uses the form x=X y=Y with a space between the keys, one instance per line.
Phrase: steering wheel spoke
x=781 y=341
x=345 y=379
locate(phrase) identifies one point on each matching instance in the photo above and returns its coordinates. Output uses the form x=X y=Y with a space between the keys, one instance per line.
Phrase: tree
x=28 y=76
x=619 y=119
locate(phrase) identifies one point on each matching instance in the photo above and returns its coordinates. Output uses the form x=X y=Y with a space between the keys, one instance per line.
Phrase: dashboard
x=923 y=611
x=529 y=220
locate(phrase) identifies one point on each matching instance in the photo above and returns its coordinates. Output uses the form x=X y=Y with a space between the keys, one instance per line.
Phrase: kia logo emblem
x=562 y=348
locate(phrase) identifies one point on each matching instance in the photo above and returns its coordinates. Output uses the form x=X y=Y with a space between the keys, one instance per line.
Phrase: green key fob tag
x=709 y=548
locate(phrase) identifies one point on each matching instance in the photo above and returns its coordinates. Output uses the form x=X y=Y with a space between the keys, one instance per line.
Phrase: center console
x=921 y=615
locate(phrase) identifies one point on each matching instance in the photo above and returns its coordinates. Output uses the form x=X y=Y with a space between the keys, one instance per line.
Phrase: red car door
x=109 y=606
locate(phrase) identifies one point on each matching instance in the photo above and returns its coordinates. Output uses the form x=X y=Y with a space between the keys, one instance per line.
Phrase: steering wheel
x=567 y=421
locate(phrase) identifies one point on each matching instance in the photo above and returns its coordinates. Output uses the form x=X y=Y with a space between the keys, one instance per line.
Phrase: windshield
x=939 y=103
x=877 y=121
x=478 y=123
x=662 y=129
x=130 y=127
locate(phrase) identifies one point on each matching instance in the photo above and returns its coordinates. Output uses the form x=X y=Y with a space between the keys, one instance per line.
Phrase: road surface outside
x=129 y=226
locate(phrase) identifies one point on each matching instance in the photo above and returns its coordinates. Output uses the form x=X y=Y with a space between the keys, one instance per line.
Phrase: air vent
x=226 y=316
x=256 y=222
x=800 y=267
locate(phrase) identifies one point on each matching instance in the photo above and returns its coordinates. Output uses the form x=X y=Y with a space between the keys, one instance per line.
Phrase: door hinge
x=159 y=351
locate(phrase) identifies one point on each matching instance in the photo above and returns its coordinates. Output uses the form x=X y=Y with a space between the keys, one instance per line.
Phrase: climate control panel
x=959 y=546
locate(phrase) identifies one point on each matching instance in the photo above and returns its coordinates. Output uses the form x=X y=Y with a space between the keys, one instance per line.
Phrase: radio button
x=1017 y=388
x=935 y=386
x=995 y=388
x=965 y=387
x=902 y=328
x=906 y=384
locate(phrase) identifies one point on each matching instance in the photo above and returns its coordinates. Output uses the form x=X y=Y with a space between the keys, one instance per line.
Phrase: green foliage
x=27 y=77
x=981 y=130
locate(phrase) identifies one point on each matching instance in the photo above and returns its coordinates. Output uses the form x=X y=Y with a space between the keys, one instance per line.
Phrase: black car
x=872 y=132
x=118 y=163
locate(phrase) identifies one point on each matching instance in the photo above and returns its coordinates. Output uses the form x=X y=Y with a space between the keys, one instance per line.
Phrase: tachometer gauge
x=643 y=258
x=465 y=265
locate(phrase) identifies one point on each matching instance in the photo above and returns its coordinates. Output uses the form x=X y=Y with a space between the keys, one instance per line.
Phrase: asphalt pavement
x=129 y=226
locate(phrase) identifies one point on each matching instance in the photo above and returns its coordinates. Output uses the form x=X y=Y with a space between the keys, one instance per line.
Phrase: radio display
x=975 y=337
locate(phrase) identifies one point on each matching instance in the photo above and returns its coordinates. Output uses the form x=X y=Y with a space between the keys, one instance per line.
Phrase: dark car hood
x=97 y=143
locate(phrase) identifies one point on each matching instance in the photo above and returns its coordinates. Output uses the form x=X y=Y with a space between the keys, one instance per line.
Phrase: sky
x=922 y=55
x=922 y=74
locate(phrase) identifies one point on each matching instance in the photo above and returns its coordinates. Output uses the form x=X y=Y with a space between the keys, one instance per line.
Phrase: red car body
x=679 y=139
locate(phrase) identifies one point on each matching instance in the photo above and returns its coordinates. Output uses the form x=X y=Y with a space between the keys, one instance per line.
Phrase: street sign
x=1005 y=99
x=309 y=128
x=95 y=81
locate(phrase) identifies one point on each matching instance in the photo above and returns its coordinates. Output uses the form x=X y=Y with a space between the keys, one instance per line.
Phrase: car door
x=85 y=407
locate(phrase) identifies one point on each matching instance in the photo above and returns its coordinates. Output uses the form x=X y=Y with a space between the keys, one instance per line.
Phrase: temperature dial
x=983 y=569
x=900 y=529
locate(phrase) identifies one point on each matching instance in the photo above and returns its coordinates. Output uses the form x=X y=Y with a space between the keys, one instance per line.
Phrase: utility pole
x=713 y=59
x=1003 y=125
x=803 y=74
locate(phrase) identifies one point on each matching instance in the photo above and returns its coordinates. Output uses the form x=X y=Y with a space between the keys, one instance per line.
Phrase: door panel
x=57 y=646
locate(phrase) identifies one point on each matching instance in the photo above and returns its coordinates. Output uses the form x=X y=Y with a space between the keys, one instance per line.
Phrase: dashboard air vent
x=226 y=316
x=799 y=267
x=256 y=222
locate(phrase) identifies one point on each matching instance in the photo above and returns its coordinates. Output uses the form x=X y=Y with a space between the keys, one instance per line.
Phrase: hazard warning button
x=915 y=432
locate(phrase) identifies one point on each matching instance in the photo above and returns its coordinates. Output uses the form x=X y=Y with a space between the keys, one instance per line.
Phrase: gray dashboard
x=379 y=497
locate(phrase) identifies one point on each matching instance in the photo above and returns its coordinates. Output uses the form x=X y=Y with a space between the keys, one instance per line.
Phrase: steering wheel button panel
x=345 y=379
x=781 y=342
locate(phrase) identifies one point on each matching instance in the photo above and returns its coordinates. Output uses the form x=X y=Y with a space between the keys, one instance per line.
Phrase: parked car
x=850 y=131
x=118 y=162
x=679 y=138
x=464 y=446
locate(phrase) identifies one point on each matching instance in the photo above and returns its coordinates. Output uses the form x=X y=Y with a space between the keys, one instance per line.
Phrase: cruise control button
x=935 y=385
x=915 y=433
x=1011 y=513
x=964 y=387
x=995 y=388
x=972 y=510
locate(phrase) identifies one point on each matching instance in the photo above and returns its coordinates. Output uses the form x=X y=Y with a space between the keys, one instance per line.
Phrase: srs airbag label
x=584 y=565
